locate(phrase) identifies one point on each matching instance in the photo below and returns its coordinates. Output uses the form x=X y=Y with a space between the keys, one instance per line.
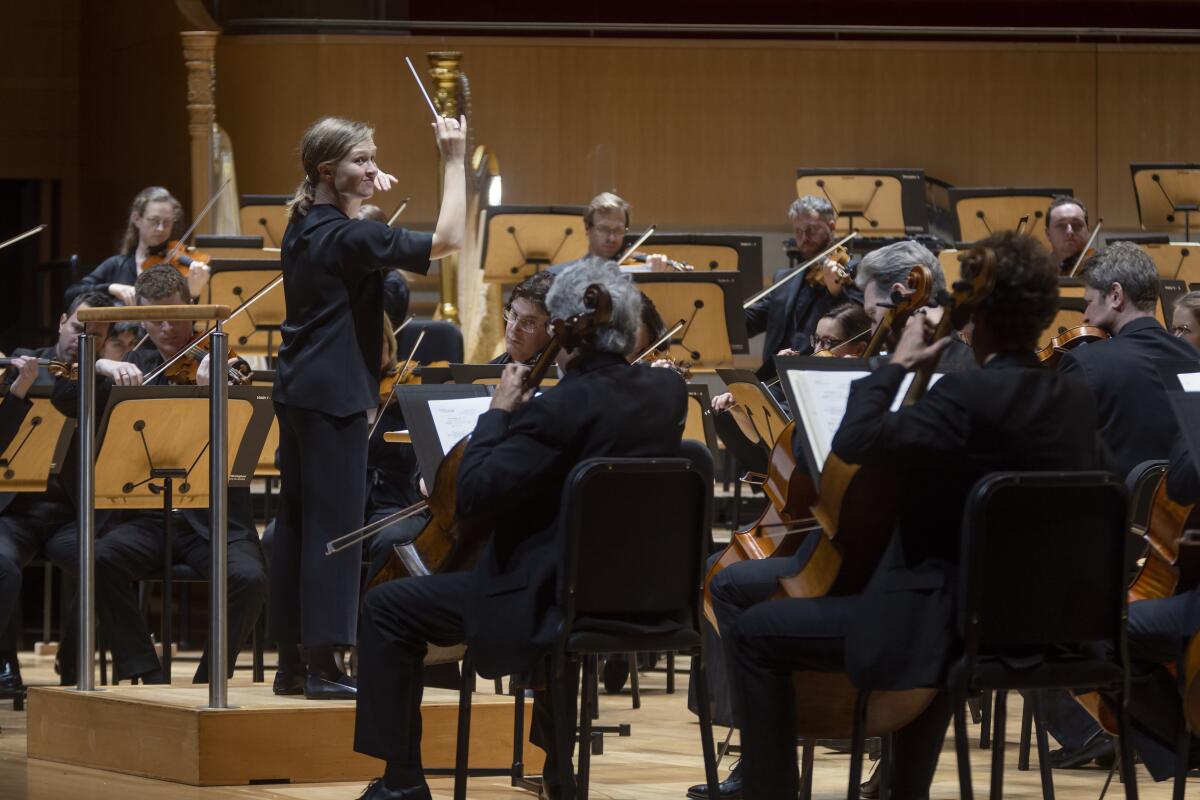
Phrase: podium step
x=165 y=732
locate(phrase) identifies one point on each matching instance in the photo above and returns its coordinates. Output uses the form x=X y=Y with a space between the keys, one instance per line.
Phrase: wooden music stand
x=876 y=202
x=951 y=266
x=979 y=212
x=1176 y=260
x=765 y=417
x=1167 y=196
x=233 y=282
x=699 y=425
x=38 y=449
x=1070 y=308
x=710 y=304
x=485 y=374
x=225 y=247
x=265 y=215
x=712 y=252
x=521 y=240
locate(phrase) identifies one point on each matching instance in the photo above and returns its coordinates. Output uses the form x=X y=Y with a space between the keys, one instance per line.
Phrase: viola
x=1068 y=339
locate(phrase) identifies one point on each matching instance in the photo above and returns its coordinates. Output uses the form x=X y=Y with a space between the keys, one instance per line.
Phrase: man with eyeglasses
x=606 y=221
x=526 y=321
x=1067 y=230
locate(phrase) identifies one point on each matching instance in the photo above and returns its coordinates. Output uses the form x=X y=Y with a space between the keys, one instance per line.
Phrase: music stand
x=1176 y=260
x=233 y=282
x=414 y=401
x=978 y=212
x=712 y=252
x=430 y=374
x=169 y=425
x=1070 y=308
x=1186 y=406
x=1167 y=195
x=224 y=246
x=698 y=425
x=485 y=374
x=816 y=422
x=521 y=240
x=710 y=303
x=39 y=447
x=763 y=412
x=891 y=202
x=265 y=215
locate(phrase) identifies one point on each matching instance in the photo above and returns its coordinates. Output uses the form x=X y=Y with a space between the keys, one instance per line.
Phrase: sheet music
x=455 y=419
x=1190 y=381
x=822 y=396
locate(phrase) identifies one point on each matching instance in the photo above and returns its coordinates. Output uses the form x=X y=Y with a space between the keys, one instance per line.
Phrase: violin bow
x=212 y=201
x=199 y=339
x=398 y=212
x=403 y=371
x=1083 y=253
x=404 y=324
x=36 y=229
x=802 y=269
x=666 y=337
x=633 y=247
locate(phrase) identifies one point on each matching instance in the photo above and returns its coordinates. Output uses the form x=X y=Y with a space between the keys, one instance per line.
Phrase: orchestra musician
x=1011 y=414
x=395 y=288
x=1067 y=230
x=132 y=548
x=37 y=522
x=518 y=458
x=525 y=320
x=328 y=380
x=605 y=222
x=1185 y=321
x=155 y=218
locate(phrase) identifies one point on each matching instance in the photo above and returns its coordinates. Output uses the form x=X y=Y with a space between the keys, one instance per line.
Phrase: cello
x=784 y=523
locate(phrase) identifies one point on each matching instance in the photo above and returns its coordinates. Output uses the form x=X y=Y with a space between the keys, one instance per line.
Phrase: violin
x=183 y=370
x=814 y=275
x=58 y=369
x=1068 y=339
x=1088 y=249
x=920 y=280
x=176 y=255
x=642 y=258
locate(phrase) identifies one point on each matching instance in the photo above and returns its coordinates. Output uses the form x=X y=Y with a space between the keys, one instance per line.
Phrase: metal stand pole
x=218 y=448
x=87 y=513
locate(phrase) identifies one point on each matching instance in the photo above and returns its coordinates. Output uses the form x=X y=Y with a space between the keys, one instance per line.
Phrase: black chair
x=443 y=342
x=1064 y=534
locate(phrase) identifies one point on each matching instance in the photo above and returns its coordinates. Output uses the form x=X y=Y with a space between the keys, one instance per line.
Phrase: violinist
x=842 y=331
x=1011 y=414
x=1185 y=321
x=513 y=471
x=605 y=222
x=1067 y=230
x=328 y=379
x=396 y=294
x=526 y=331
x=155 y=218
x=37 y=522
x=132 y=549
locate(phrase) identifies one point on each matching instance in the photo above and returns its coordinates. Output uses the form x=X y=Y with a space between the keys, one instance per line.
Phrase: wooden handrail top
x=155 y=313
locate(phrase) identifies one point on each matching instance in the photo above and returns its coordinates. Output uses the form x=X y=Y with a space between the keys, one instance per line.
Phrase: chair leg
x=671 y=672
x=858 y=743
x=462 y=747
x=1043 y=748
x=1125 y=749
x=500 y=685
x=806 y=770
x=886 y=756
x=985 y=720
x=103 y=658
x=1026 y=730
x=260 y=638
x=634 y=684
x=564 y=724
x=706 y=731
x=1183 y=746
x=962 y=745
x=998 y=740
x=589 y=690
x=518 y=765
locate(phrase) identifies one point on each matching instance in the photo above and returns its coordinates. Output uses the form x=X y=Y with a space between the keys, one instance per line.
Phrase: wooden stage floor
x=660 y=760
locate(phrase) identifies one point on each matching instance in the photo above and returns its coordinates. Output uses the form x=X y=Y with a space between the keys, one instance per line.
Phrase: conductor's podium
x=164 y=732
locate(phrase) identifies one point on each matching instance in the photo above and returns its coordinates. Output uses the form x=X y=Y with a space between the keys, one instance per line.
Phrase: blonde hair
x=151 y=194
x=328 y=139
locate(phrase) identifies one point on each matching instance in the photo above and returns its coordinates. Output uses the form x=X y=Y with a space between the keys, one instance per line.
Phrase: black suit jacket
x=333 y=271
x=114 y=269
x=1010 y=415
x=776 y=315
x=513 y=472
x=1136 y=420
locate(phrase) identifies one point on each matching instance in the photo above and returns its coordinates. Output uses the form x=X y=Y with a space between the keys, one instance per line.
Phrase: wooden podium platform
x=163 y=732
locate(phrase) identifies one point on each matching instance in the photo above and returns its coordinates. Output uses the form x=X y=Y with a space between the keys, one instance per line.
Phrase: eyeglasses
x=527 y=324
x=610 y=230
x=157 y=222
x=820 y=343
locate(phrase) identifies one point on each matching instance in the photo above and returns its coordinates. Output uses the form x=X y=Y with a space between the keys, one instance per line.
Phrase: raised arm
x=451 y=227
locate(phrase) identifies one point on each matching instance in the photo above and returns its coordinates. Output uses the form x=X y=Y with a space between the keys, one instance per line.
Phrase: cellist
x=1011 y=414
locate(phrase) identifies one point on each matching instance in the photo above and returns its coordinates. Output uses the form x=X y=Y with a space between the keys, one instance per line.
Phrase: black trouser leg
x=246 y=589
x=126 y=554
x=541 y=723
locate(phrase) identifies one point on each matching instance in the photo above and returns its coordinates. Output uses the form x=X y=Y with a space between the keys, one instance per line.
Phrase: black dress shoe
x=1098 y=748
x=288 y=683
x=616 y=672
x=378 y=790
x=10 y=677
x=730 y=788
x=317 y=687
x=869 y=789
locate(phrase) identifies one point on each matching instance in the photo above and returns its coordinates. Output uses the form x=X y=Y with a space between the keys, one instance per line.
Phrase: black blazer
x=114 y=269
x=513 y=471
x=1136 y=420
x=1010 y=415
x=776 y=315
x=333 y=271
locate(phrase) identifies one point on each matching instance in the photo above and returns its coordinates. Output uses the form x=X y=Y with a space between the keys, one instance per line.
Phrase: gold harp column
x=199 y=55
x=445 y=67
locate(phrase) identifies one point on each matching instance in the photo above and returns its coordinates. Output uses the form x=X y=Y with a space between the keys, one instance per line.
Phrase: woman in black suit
x=327 y=382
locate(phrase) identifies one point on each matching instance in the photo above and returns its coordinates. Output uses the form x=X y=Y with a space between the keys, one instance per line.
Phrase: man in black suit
x=1067 y=231
x=898 y=634
x=1136 y=422
x=133 y=548
x=511 y=476
x=33 y=522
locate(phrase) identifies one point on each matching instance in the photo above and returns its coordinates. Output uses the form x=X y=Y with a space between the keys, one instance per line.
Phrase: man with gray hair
x=511 y=476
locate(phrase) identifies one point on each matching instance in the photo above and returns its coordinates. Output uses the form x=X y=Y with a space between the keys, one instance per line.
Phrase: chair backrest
x=635 y=532
x=443 y=341
x=1043 y=561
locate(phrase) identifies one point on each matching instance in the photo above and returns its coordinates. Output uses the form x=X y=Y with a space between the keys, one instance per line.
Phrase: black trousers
x=323 y=472
x=399 y=620
x=772 y=640
x=132 y=551
x=32 y=523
